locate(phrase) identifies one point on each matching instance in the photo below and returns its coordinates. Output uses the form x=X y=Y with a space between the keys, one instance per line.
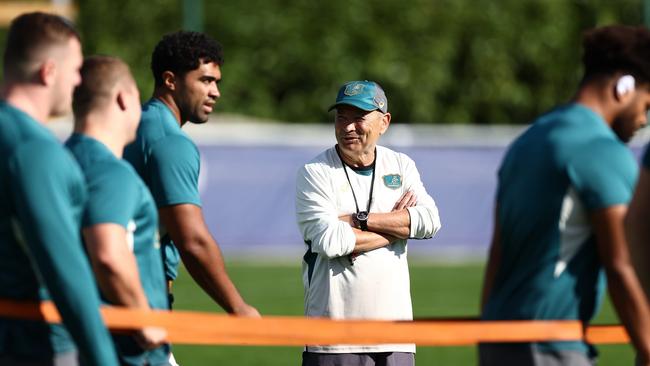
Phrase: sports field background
x=276 y=289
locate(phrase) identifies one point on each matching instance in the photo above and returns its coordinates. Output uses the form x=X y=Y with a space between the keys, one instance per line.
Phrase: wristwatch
x=362 y=219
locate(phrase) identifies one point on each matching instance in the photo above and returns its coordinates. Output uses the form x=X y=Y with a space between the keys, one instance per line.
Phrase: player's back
x=168 y=162
x=16 y=130
x=30 y=154
x=567 y=163
x=120 y=196
x=117 y=195
x=155 y=125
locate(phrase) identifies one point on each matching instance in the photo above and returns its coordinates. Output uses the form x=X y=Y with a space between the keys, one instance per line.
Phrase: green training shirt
x=42 y=194
x=169 y=163
x=566 y=165
x=117 y=195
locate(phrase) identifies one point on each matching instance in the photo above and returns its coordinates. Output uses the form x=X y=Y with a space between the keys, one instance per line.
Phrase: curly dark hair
x=617 y=48
x=184 y=51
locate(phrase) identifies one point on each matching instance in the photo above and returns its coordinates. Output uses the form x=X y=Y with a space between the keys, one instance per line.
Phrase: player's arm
x=494 y=260
x=45 y=214
x=116 y=271
x=202 y=257
x=174 y=172
x=638 y=231
x=114 y=265
x=624 y=287
x=104 y=227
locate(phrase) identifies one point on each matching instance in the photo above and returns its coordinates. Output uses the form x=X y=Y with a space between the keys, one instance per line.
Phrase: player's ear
x=47 y=72
x=169 y=80
x=624 y=88
x=385 y=122
x=119 y=98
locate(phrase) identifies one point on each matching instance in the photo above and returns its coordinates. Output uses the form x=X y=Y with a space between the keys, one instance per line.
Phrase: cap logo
x=379 y=103
x=353 y=89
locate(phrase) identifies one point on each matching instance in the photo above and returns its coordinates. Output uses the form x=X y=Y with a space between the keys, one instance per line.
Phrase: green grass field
x=437 y=290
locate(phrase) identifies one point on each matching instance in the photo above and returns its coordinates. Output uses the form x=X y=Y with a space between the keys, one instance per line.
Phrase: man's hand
x=408 y=199
x=247 y=311
x=150 y=337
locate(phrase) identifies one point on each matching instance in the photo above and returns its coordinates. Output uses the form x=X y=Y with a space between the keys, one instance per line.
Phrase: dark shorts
x=525 y=354
x=358 y=359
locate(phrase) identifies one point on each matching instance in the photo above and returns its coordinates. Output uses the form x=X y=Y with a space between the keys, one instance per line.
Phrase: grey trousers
x=358 y=359
x=525 y=354
x=61 y=359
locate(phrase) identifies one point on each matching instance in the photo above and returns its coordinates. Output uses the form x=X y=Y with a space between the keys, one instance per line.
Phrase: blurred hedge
x=440 y=61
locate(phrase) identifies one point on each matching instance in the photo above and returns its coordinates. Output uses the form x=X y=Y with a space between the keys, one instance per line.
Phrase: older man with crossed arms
x=357 y=204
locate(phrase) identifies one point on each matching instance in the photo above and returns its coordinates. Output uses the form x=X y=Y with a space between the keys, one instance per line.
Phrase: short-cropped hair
x=184 y=51
x=617 y=48
x=99 y=75
x=30 y=34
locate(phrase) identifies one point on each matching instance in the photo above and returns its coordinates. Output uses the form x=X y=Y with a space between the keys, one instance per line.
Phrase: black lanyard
x=372 y=182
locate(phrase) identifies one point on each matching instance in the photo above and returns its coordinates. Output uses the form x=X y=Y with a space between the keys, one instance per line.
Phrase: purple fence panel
x=248 y=197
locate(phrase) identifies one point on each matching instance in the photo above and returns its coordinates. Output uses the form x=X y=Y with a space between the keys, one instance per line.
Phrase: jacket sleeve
x=317 y=214
x=425 y=219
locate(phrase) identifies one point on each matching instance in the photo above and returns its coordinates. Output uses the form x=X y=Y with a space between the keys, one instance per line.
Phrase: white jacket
x=377 y=285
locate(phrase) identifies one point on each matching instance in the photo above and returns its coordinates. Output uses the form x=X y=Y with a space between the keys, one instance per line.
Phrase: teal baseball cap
x=366 y=95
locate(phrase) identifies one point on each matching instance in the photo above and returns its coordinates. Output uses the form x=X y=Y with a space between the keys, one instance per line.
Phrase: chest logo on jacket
x=392 y=181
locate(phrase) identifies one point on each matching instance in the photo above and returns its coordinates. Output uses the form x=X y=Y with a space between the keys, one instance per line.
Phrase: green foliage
x=445 y=61
x=440 y=61
x=128 y=29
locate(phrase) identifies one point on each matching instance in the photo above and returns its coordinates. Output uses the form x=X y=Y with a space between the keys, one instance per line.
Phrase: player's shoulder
x=320 y=167
x=158 y=122
x=112 y=175
x=38 y=159
x=602 y=158
x=571 y=112
x=18 y=130
x=43 y=151
x=88 y=151
x=128 y=174
x=605 y=145
x=112 y=170
x=615 y=153
x=325 y=160
x=175 y=146
x=390 y=156
x=119 y=169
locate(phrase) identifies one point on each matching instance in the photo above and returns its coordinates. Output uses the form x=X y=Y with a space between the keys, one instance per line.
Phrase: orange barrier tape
x=602 y=334
x=185 y=327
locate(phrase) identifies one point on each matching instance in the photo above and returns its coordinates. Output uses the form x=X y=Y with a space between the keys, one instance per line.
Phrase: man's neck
x=167 y=99
x=95 y=126
x=359 y=160
x=30 y=99
x=595 y=95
